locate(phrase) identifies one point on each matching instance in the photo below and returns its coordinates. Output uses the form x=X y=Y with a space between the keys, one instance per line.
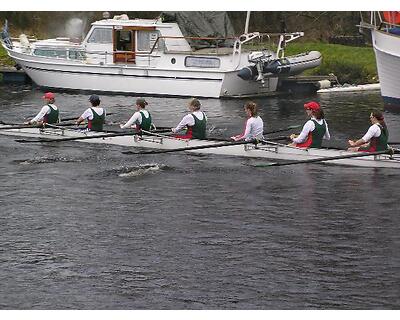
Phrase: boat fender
x=323 y=84
x=23 y=40
x=248 y=73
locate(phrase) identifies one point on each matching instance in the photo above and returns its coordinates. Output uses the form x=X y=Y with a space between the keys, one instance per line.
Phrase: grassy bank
x=4 y=58
x=353 y=65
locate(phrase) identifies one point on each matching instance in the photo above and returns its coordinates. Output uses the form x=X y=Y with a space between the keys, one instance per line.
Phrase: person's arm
x=186 y=121
x=327 y=135
x=373 y=131
x=84 y=116
x=131 y=121
x=307 y=128
x=39 y=117
x=241 y=136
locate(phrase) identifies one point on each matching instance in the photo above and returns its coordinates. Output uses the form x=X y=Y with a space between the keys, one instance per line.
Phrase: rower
x=95 y=115
x=49 y=112
x=376 y=138
x=254 y=124
x=141 y=119
x=314 y=130
x=195 y=122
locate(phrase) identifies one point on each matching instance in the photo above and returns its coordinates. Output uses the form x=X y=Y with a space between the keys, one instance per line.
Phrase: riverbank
x=353 y=65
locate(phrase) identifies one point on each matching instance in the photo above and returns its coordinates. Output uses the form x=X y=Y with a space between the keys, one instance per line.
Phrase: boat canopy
x=214 y=24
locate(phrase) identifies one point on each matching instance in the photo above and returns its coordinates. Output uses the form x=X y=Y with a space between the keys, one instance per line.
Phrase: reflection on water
x=85 y=227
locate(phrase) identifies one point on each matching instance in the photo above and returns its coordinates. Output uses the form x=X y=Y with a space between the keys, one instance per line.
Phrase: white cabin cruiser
x=153 y=57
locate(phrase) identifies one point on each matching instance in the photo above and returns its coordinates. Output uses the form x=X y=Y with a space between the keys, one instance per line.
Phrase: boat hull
x=139 y=79
x=271 y=150
x=387 y=52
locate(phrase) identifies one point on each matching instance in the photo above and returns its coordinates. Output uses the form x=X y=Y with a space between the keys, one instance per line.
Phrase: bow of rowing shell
x=269 y=150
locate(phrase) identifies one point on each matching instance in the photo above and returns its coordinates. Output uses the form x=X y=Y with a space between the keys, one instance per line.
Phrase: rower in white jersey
x=314 y=130
x=195 y=122
x=254 y=125
x=141 y=119
x=95 y=115
x=49 y=112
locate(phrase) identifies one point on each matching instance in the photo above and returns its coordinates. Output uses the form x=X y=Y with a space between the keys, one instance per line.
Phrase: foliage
x=353 y=65
x=4 y=58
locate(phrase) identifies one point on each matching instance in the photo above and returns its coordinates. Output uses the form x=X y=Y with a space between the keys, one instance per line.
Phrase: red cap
x=312 y=105
x=49 y=95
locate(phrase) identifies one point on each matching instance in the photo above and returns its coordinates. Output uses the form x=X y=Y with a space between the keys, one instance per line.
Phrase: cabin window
x=202 y=62
x=100 y=35
x=124 y=40
x=53 y=53
x=146 y=40
x=76 y=55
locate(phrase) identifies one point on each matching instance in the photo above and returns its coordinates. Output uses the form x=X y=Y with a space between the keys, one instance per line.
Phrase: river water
x=85 y=227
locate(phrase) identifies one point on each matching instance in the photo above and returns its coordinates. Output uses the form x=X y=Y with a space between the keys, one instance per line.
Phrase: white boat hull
x=51 y=73
x=387 y=52
x=271 y=151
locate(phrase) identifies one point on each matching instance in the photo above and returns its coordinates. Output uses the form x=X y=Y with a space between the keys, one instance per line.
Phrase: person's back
x=141 y=119
x=195 y=122
x=98 y=119
x=314 y=130
x=49 y=112
x=254 y=128
x=200 y=125
x=95 y=115
x=376 y=138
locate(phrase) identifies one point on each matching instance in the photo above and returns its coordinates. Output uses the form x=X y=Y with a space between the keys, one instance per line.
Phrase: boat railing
x=376 y=21
x=386 y=26
x=160 y=42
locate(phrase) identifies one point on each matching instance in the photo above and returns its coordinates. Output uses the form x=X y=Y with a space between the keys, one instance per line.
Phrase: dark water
x=85 y=227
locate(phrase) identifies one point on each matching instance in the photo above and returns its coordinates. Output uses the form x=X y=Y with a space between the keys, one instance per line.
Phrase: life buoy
x=393 y=17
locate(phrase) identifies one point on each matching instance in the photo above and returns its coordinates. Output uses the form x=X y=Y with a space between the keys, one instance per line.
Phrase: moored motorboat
x=385 y=33
x=267 y=150
x=156 y=57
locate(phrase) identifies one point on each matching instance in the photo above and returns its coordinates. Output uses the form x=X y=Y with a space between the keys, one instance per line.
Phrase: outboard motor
x=264 y=66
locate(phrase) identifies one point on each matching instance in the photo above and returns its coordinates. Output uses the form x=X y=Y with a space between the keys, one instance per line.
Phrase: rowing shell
x=269 y=150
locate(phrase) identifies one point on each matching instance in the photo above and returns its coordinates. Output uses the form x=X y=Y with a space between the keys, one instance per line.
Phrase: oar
x=109 y=135
x=214 y=145
x=23 y=125
x=105 y=135
x=74 y=118
x=322 y=159
x=19 y=126
x=277 y=138
x=284 y=129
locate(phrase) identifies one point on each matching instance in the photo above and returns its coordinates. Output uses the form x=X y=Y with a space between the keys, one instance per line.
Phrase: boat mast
x=246 y=27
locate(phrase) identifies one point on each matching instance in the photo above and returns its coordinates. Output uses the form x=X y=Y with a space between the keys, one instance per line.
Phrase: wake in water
x=41 y=160
x=140 y=170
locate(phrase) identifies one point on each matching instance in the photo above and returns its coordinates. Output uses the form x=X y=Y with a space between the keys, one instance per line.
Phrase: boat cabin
x=114 y=41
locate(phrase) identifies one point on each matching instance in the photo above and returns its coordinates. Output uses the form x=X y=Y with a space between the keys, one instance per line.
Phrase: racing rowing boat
x=267 y=149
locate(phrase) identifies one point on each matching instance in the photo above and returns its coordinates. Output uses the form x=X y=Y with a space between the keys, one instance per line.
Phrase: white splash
x=141 y=170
